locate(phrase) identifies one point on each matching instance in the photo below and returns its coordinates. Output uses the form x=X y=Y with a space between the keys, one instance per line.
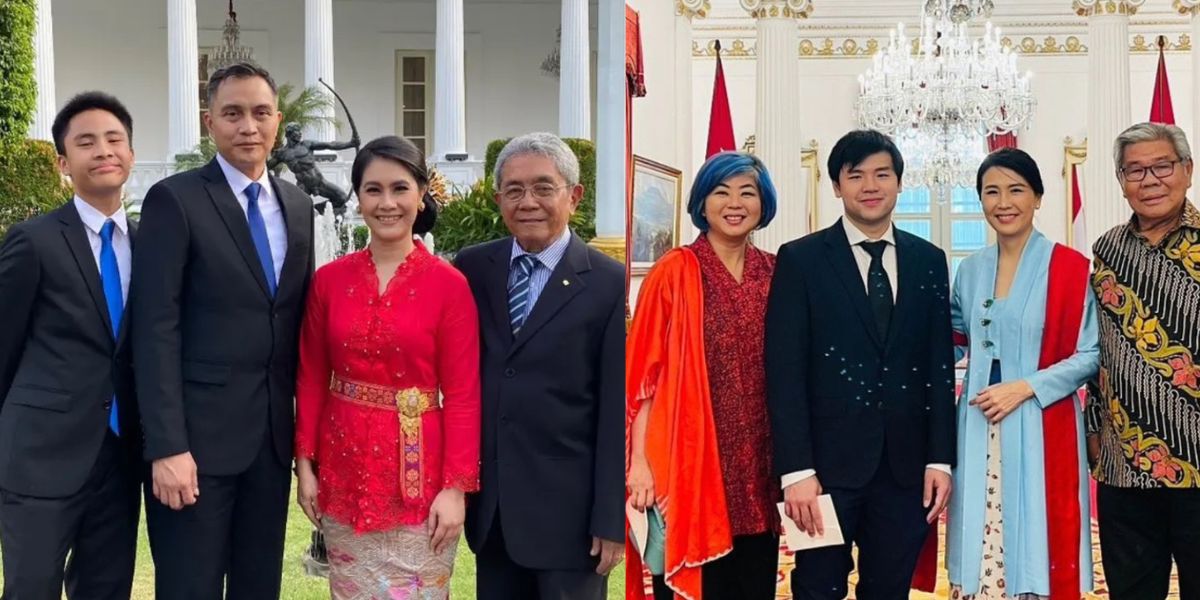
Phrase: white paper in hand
x=639 y=527
x=798 y=540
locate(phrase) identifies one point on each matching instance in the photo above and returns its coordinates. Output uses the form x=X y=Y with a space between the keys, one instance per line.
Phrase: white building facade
x=452 y=75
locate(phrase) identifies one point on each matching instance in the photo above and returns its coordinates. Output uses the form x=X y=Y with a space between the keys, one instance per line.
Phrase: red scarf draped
x=1065 y=295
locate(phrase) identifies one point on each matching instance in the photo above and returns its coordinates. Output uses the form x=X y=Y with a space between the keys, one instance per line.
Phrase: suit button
x=509 y=372
x=107 y=404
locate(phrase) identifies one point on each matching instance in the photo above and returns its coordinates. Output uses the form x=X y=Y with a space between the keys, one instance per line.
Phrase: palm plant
x=307 y=108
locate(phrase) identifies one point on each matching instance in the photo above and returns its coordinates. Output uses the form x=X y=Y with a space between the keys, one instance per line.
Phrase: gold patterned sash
x=410 y=404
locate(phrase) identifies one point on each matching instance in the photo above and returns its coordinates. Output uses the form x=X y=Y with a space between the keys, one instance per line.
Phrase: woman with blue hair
x=696 y=415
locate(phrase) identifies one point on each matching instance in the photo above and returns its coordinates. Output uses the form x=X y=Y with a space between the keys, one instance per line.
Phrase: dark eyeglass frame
x=1160 y=170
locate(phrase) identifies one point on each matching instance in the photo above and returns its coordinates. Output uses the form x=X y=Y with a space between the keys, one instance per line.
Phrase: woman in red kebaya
x=387 y=398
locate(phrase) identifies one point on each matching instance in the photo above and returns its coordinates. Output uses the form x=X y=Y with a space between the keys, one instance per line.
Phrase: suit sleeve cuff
x=796 y=477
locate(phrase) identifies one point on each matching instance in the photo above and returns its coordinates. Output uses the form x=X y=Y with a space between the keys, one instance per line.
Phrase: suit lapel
x=563 y=285
x=497 y=289
x=838 y=249
x=235 y=220
x=124 y=332
x=907 y=271
x=81 y=249
x=296 y=215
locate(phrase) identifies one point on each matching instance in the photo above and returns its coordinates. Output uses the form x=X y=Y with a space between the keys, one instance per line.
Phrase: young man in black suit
x=70 y=441
x=548 y=521
x=222 y=274
x=860 y=380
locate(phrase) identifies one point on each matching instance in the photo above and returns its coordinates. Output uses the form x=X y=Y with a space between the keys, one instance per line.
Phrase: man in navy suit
x=70 y=440
x=222 y=274
x=860 y=383
x=548 y=521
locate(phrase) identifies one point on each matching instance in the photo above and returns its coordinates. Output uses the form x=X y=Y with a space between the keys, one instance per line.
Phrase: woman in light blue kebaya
x=1022 y=312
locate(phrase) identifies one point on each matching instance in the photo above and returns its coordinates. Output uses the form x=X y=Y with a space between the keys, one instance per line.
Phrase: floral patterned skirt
x=396 y=564
x=992 y=585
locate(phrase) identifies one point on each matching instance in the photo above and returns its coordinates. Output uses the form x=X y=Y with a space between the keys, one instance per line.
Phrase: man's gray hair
x=543 y=144
x=1151 y=132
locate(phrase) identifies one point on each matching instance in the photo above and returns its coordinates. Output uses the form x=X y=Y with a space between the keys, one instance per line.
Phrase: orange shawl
x=664 y=361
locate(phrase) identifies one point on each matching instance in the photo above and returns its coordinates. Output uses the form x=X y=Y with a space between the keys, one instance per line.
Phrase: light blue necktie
x=258 y=232
x=519 y=294
x=110 y=279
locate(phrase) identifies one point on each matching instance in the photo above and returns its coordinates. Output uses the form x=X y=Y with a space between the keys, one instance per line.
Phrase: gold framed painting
x=657 y=208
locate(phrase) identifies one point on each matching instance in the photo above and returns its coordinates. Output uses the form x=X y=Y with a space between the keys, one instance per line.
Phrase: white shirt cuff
x=945 y=468
x=796 y=477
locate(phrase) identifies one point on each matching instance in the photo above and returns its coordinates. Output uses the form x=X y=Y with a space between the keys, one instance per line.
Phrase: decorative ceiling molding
x=866 y=46
x=693 y=9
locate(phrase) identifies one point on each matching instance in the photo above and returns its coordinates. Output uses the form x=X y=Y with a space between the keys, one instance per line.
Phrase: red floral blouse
x=387 y=393
x=733 y=349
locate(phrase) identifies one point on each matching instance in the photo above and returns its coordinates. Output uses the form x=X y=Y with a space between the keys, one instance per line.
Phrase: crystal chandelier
x=231 y=51
x=944 y=91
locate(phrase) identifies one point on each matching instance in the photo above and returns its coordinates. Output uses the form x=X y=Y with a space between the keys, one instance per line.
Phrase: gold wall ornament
x=693 y=9
x=1088 y=8
x=613 y=247
x=1187 y=7
x=774 y=9
x=866 y=47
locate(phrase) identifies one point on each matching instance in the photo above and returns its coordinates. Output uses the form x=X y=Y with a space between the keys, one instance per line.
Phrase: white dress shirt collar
x=238 y=180
x=94 y=220
x=855 y=235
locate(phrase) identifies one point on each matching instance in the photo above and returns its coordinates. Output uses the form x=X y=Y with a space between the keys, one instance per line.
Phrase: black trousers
x=98 y=525
x=231 y=539
x=887 y=523
x=1141 y=531
x=748 y=572
x=498 y=577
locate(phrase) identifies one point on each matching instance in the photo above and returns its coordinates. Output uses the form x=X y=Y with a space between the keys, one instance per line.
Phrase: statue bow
x=349 y=119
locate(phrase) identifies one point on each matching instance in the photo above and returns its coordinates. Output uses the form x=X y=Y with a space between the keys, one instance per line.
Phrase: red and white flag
x=1161 y=110
x=720 y=121
x=1079 y=239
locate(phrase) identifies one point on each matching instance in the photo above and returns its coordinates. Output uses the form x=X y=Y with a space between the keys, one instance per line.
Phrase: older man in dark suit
x=548 y=521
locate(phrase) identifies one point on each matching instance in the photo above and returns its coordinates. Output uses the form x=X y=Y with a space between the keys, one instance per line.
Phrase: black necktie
x=879 y=289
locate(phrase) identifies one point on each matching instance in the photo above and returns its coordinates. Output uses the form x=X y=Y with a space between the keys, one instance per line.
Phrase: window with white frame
x=958 y=227
x=414 y=97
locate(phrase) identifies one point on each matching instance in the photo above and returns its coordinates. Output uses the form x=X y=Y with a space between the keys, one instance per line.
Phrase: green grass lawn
x=298 y=586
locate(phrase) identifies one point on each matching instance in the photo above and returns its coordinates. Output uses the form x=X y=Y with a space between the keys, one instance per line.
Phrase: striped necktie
x=519 y=295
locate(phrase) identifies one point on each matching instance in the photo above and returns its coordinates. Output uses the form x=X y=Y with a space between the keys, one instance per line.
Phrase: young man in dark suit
x=222 y=274
x=70 y=441
x=860 y=380
x=548 y=519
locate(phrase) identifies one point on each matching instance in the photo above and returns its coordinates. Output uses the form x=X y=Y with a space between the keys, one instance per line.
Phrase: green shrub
x=583 y=222
x=29 y=181
x=362 y=235
x=470 y=218
x=18 y=90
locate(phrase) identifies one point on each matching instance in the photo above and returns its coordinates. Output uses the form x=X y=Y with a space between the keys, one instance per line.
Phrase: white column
x=574 y=107
x=318 y=60
x=183 y=60
x=1191 y=8
x=685 y=12
x=1108 y=109
x=777 y=118
x=610 y=124
x=450 y=113
x=43 y=73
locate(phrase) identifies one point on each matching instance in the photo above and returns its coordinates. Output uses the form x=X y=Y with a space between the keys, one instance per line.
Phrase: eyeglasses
x=1160 y=170
x=540 y=191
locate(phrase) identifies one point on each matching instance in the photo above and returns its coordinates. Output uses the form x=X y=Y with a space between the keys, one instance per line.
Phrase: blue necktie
x=258 y=232
x=110 y=279
x=519 y=295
